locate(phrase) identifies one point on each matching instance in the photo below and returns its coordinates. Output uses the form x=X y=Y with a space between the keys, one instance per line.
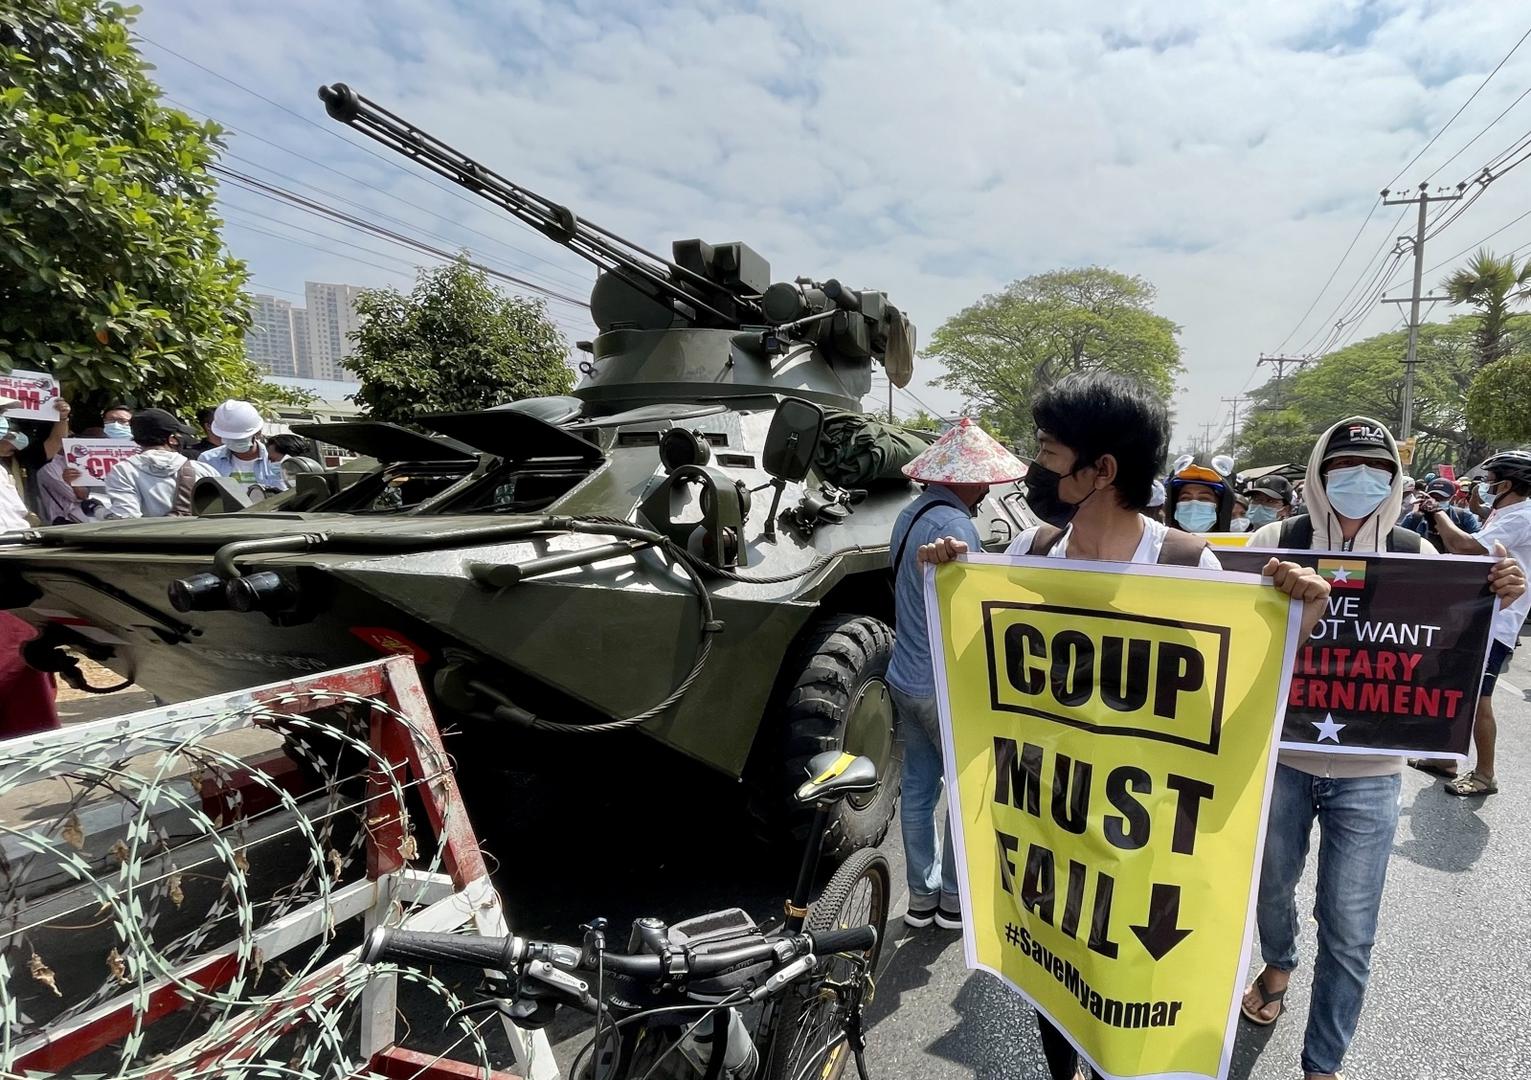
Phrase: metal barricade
x=217 y=863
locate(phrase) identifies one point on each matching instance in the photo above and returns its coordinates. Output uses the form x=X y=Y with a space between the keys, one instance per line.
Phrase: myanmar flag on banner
x=1343 y=573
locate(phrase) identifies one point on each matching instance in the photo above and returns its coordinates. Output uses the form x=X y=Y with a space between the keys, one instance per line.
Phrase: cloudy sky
x=1226 y=151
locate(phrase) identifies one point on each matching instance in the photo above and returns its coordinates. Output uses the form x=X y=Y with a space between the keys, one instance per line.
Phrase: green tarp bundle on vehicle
x=858 y=451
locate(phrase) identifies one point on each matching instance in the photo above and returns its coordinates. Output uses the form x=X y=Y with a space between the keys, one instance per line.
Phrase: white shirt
x=1147 y=552
x=13 y=512
x=1510 y=526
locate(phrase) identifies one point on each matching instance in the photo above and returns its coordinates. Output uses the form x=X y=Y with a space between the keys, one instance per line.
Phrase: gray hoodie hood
x=161 y=461
x=1327 y=535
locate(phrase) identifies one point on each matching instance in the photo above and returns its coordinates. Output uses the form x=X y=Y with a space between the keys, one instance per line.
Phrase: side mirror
x=792 y=440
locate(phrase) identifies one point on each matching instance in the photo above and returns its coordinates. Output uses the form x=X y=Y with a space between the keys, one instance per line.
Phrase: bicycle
x=812 y=978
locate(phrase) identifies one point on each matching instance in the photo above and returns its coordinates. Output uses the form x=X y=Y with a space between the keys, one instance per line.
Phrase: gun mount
x=703 y=287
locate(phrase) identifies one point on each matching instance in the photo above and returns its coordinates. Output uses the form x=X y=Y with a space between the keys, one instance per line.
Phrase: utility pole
x=1280 y=363
x=1235 y=402
x=1206 y=437
x=890 y=402
x=1423 y=199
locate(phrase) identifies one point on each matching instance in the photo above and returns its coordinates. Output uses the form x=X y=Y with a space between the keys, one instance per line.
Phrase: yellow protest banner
x=1109 y=737
x=1227 y=539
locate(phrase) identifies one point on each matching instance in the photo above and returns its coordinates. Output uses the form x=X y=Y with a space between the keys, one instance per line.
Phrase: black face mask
x=1042 y=496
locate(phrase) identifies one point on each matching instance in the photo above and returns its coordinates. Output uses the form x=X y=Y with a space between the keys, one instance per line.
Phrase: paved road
x=1450 y=962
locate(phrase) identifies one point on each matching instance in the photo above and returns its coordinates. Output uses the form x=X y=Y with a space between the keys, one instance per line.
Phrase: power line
x=1460 y=110
x=1304 y=347
x=1330 y=279
x=552 y=267
x=1485 y=131
x=302 y=202
x=331 y=130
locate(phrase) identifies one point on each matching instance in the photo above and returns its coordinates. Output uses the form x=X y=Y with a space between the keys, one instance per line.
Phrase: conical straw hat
x=965 y=455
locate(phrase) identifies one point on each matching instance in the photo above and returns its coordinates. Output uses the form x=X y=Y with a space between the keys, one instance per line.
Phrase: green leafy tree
x=922 y=421
x=112 y=272
x=1499 y=400
x=1006 y=348
x=453 y=343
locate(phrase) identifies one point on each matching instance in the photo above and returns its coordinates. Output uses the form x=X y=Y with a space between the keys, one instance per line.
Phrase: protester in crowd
x=1438 y=492
x=1101 y=437
x=1240 y=520
x=62 y=500
x=209 y=438
x=1155 y=511
x=293 y=453
x=1270 y=499
x=1354 y=488
x=27 y=446
x=158 y=482
x=1503 y=487
x=242 y=455
x=1200 y=498
x=1409 y=490
x=956 y=470
x=26 y=694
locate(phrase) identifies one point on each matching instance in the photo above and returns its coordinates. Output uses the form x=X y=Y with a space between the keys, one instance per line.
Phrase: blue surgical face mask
x=1261 y=515
x=239 y=446
x=118 y=431
x=1356 y=492
x=18 y=439
x=1195 y=516
x=1486 y=494
x=5 y=426
x=1239 y=525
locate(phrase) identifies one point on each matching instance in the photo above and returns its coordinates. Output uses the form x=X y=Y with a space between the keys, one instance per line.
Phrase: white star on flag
x=1340 y=575
x=1327 y=728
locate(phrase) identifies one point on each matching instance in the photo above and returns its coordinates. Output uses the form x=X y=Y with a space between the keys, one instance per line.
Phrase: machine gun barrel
x=658 y=277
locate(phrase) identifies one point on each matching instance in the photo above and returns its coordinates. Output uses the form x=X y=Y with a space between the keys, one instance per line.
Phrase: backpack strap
x=1044 y=540
x=185 y=483
x=1404 y=540
x=1181 y=549
x=898 y=560
x=1296 y=533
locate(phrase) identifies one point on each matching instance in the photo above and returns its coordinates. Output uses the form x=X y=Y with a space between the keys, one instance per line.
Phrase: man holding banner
x=1354 y=491
x=1093 y=907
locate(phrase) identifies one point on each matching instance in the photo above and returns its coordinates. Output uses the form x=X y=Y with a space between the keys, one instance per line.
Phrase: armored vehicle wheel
x=836 y=699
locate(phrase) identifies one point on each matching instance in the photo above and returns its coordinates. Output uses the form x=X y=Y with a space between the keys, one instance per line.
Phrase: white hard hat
x=236 y=420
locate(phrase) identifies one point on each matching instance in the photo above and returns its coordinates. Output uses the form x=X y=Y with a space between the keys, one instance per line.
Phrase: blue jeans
x=923 y=779
x=1356 y=820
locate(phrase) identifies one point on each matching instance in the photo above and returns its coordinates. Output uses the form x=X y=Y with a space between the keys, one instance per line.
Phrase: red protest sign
x=36 y=390
x=95 y=458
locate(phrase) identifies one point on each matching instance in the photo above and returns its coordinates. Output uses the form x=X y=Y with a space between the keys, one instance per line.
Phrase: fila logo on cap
x=1367 y=433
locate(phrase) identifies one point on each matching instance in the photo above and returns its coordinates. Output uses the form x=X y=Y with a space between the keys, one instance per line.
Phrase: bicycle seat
x=834 y=775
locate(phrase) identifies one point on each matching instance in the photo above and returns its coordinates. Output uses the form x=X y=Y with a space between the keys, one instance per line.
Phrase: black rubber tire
x=837 y=657
x=829 y=912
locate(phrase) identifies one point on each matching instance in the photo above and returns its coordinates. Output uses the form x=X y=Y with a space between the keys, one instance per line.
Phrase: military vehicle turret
x=673 y=549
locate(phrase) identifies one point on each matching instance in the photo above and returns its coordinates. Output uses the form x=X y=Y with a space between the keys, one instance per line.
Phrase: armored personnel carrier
x=670 y=550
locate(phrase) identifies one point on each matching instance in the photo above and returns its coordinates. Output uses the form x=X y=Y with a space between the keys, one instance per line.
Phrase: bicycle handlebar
x=507 y=954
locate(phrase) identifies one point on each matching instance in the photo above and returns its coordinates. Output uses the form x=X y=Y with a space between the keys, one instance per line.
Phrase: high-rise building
x=331 y=317
x=305 y=343
x=302 y=359
x=270 y=341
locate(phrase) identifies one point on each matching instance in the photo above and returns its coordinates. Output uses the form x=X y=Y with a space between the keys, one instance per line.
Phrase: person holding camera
x=1441 y=492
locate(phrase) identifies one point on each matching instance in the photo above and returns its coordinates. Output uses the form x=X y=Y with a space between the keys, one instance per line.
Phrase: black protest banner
x=1395 y=665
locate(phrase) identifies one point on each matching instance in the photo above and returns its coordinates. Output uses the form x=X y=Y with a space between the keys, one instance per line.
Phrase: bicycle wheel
x=808 y=1036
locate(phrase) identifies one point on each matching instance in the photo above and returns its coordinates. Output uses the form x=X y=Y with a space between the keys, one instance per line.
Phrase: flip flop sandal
x=1433 y=768
x=1472 y=784
x=1266 y=999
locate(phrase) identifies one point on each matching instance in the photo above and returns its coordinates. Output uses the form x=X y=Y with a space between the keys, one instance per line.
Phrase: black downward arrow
x=1161 y=934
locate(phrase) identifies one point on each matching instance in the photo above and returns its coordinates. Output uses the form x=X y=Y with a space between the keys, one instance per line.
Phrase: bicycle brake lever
x=793 y=971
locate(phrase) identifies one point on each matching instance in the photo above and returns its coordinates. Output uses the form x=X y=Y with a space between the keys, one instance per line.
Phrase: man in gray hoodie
x=159 y=481
x=1353 y=490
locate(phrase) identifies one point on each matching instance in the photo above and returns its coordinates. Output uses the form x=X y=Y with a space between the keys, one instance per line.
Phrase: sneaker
x=948 y=920
x=922 y=916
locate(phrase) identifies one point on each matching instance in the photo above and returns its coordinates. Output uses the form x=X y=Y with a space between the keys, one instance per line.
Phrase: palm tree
x=1492 y=285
